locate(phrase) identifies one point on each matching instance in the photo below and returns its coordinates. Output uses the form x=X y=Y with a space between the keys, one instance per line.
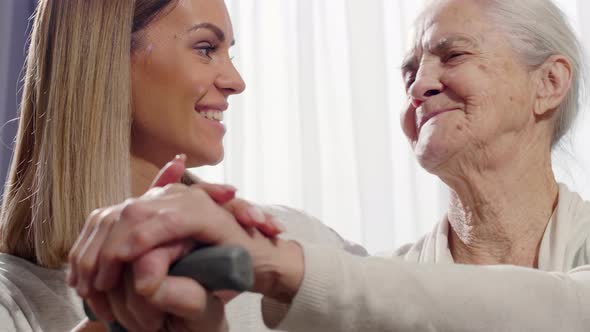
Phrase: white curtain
x=318 y=126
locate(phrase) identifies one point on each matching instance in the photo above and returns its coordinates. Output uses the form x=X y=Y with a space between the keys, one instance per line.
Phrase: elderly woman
x=492 y=86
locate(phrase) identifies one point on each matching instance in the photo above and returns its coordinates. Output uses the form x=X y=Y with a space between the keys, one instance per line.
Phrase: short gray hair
x=538 y=29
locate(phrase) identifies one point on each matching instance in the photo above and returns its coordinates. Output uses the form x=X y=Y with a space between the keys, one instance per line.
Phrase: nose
x=230 y=81
x=426 y=85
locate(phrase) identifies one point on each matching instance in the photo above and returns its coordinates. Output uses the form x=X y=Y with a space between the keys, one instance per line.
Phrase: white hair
x=537 y=30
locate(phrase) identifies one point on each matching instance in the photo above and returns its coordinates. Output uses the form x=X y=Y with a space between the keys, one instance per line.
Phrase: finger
x=220 y=193
x=183 y=297
x=150 y=269
x=74 y=254
x=226 y=295
x=86 y=263
x=249 y=215
x=109 y=265
x=211 y=226
x=143 y=313
x=99 y=303
x=118 y=306
x=171 y=172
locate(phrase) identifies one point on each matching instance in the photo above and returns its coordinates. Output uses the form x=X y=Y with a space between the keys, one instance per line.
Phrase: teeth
x=212 y=115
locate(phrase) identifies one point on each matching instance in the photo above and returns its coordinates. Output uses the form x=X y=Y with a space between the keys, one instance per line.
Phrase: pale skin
x=494 y=151
x=491 y=146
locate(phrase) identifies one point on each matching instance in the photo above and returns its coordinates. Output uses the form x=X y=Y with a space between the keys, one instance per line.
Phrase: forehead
x=187 y=13
x=447 y=23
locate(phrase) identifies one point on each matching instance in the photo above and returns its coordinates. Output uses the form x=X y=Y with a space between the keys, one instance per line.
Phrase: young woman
x=113 y=90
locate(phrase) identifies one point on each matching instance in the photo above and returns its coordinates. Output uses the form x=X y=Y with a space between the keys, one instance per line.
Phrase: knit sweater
x=418 y=288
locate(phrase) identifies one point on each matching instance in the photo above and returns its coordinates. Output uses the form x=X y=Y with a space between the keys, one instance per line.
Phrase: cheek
x=408 y=122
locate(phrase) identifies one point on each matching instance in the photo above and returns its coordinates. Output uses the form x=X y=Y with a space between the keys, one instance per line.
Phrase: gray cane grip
x=215 y=268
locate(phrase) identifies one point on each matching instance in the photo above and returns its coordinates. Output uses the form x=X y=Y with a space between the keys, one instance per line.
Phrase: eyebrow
x=445 y=44
x=408 y=64
x=213 y=28
x=442 y=46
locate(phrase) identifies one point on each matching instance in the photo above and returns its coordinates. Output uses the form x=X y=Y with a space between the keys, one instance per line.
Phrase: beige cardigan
x=420 y=289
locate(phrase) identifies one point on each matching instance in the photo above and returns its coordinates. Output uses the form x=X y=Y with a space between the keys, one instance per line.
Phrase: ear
x=555 y=80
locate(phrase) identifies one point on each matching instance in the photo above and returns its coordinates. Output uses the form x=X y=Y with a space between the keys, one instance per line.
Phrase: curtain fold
x=318 y=126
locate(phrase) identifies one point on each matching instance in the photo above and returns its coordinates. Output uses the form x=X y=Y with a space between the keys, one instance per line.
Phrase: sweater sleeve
x=7 y=320
x=342 y=292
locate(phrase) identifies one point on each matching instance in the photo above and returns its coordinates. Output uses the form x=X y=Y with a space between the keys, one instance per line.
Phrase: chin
x=204 y=158
x=432 y=154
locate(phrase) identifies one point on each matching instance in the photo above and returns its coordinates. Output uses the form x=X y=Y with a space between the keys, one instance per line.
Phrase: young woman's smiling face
x=182 y=76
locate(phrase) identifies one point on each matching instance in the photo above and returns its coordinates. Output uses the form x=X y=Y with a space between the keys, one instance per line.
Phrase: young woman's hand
x=148 y=271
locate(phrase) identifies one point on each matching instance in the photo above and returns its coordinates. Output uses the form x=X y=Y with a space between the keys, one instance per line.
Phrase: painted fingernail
x=279 y=225
x=256 y=214
x=229 y=187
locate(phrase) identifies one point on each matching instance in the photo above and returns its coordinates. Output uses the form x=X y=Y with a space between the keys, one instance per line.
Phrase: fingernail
x=99 y=282
x=82 y=288
x=256 y=214
x=279 y=225
x=181 y=157
x=229 y=187
x=159 y=293
x=70 y=277
x=143 y=283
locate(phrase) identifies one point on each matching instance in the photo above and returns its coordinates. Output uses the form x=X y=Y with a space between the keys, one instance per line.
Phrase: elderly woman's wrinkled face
x=182 y=76
x=468 y=94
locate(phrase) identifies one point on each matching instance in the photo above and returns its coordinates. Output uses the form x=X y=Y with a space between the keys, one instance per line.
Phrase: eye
x=205 y=49
x=453 y=56
x=409 y=80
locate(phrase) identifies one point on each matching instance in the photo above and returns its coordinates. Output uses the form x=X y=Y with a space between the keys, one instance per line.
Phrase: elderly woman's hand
x=97 y=253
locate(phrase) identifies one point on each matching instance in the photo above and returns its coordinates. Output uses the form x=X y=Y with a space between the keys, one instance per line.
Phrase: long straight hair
x=73 y=142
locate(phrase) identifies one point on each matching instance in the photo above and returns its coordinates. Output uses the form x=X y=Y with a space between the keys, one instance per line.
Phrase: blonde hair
x=73 y=141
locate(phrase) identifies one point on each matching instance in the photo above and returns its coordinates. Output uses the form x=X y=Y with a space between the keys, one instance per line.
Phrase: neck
x=499 y=215
x=142 y=174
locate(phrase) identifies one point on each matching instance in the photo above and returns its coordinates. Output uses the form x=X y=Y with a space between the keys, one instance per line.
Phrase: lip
x=222 y=107
x=432 y=114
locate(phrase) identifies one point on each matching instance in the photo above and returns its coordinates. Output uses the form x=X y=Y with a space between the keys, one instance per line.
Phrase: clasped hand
x=120 y=261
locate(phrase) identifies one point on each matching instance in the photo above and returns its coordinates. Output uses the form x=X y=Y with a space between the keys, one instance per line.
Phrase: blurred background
x=318 y=126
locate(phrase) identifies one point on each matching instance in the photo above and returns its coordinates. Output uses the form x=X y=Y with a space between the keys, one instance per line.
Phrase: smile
x=431 y=115
x=212 y=115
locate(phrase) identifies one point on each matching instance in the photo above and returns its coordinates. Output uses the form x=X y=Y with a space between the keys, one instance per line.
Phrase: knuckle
x=168 y=216
x=85 y=266
x=131 y=209
x=107 y=256
x=173 y=188
x=139 y=237
x=199 y=193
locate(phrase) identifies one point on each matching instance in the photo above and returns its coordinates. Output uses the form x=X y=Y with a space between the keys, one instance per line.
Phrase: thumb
x=171 y=172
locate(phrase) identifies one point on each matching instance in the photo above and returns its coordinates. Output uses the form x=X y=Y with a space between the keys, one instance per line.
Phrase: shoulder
x=573 y=212
x=7 y=319
x=36 y=296
x=573 y=207
x=572 y=225
x=305 y=227
x=15 y=312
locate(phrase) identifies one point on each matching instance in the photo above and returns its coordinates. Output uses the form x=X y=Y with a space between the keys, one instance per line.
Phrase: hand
x=157 y=261
x=175 y=213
